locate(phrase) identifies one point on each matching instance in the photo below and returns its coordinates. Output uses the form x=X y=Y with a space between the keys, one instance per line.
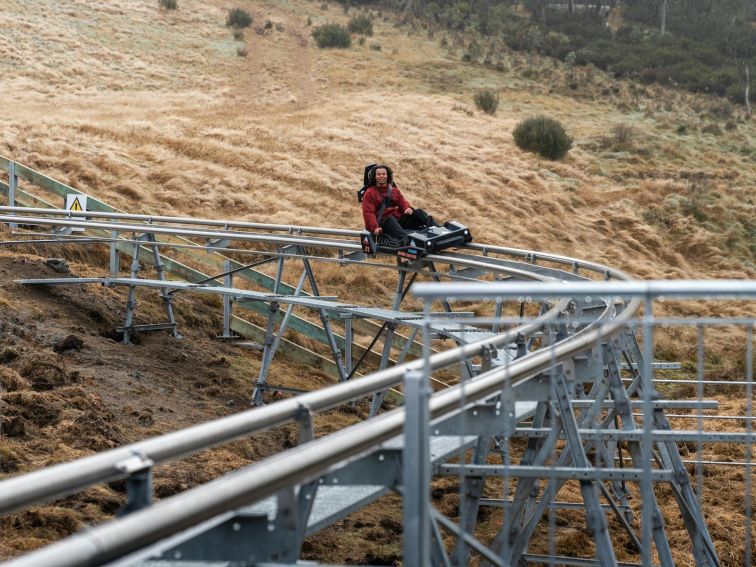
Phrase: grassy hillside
x=156 y=111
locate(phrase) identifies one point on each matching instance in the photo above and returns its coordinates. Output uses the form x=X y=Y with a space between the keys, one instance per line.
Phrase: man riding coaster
x=386 y=211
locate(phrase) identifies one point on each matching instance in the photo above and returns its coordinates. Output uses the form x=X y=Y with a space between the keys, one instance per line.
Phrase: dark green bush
x=361 y=24
x=486 y=100
x=168 y=4
x=712 y=129
x=238 y=18
x=544 y=136
x=332 y=35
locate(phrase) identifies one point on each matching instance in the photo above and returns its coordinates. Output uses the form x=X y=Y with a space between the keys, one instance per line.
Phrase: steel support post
x=228 y=281
x=138 y=483
x=646 y=488
x=115 y=255
x=295 y=503
x=325 y=319
x=348 y=344
x=12 y=184
x=535 y=454
x=165 y=293
x=388 y=343
x=466 y=371
x=267 y=355
x=131 y=298
x=138 y=492
x=704 y=553
x=623 y=414
x=499 y=305
x=471 y=490
x=595 y=519
x=416 y=470
x=377 y=401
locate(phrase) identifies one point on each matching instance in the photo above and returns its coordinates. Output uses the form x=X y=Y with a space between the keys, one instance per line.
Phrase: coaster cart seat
x=421 y=241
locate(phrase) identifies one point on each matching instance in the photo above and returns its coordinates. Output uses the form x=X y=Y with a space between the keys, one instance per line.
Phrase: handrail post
x=12 y=181
x=115 y=256
x=138 y=484
x=227 y=282
x=416 y=470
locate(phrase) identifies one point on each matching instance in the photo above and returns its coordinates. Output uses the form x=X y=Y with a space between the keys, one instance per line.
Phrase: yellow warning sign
x=76 y=203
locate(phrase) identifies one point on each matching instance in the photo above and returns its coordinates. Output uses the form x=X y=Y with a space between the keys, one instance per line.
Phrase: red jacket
x=372 y=200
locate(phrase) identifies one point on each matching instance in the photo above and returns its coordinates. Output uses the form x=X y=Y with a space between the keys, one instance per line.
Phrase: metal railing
x=645 y=433
x=584 y=319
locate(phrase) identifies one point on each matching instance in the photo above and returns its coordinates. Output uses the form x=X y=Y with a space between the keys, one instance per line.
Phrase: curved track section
x=559 y=371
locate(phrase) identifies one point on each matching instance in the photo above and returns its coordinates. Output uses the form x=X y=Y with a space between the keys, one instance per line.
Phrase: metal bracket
x=139 y=483
x=217 y=242
x=304 y=418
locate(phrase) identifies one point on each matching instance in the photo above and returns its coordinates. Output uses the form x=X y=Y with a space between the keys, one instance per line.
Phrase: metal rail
x=332 y=453
x=295 y=466
x=68 y=478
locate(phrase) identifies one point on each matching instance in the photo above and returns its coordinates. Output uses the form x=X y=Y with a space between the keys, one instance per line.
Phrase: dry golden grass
x=154 y=111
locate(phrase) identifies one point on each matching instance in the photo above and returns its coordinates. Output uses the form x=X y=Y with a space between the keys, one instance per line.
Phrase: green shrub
x=168 y=4
x=332 y=35
x=486 y=100
x=361 y=24
x=238 y=18
x=544 y=136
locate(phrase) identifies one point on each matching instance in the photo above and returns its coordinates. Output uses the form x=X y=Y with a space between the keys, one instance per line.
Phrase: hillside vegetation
x=696 y=45
x=171 y=111
x=153 y=111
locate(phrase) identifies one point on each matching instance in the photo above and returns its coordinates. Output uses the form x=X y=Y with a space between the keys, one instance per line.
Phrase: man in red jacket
x=385 y=210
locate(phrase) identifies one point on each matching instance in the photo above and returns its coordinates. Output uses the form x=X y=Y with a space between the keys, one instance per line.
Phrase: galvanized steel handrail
x=53 y=482
x=484 y=248
x=112 y=540
x=149 y=219
x=689 y=289
x=67 y=478
x=157 y=229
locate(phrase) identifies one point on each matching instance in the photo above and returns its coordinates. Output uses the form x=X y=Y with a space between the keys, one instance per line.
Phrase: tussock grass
x=173 y=122
x=486 y=100
x=238 y=18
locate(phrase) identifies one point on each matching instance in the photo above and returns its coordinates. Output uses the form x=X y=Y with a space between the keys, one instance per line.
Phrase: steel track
x=291 y=467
